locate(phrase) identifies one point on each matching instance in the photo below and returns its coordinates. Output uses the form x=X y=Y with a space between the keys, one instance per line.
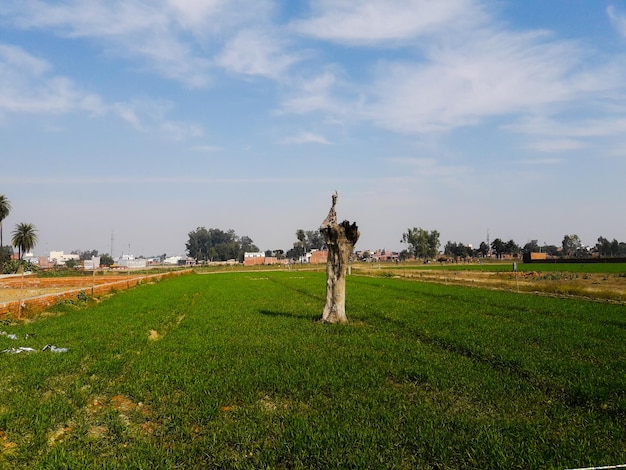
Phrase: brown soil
x=16 y=288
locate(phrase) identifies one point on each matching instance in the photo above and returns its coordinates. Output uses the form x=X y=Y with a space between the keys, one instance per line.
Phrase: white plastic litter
x=12 y=336
x=18 y=350
x=54 y=349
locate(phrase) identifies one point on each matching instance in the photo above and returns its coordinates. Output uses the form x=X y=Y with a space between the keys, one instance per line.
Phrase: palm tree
x=24 y=238
x=5 y=208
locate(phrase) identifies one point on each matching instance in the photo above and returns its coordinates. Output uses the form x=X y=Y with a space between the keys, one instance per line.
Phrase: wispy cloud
x=307 y=138
x=375 y=22
x=618 y=19
x=556 y=146
x=172 y=37
x=499 y=73
x=28 y=85
x=256 y=52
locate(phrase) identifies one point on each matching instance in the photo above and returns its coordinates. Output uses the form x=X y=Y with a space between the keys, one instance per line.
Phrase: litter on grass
x=18 y=350
x=54 y=349
x=47 y=347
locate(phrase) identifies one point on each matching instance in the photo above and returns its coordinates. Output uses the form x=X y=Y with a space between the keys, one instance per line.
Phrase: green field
x=230 y=370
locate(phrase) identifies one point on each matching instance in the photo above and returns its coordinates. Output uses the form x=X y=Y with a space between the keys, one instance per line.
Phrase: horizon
x=463 y=116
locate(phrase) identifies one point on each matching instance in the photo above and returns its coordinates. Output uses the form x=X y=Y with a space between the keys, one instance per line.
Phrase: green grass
x=505 y=266
x=240 y=376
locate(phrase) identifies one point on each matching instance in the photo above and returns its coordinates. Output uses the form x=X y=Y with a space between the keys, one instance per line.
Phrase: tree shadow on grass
x=274 y=313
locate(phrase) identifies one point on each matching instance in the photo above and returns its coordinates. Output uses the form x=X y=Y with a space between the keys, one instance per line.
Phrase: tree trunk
x=340 y=239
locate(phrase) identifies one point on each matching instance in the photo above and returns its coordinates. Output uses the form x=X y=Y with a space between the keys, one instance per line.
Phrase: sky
x=126 y=124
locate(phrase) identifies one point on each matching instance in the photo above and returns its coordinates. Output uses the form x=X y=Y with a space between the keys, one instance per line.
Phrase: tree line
x=214 y=244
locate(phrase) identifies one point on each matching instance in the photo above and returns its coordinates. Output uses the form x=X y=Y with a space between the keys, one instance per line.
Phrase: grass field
x=230 y=370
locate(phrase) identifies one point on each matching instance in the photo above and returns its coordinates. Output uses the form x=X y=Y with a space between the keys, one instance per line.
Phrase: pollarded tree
x=24 y=238
x=340 y=240
x=5 y=208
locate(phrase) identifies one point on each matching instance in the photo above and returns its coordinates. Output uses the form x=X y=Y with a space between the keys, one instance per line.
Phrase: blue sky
x=151 y=118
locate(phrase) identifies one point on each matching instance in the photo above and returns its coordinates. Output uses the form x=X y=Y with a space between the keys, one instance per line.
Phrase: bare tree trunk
x=340 y=239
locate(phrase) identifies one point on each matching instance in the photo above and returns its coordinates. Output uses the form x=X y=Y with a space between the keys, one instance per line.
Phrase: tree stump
x=340 y=239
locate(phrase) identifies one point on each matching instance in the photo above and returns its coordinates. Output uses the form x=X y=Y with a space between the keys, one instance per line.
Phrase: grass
x=230 y=370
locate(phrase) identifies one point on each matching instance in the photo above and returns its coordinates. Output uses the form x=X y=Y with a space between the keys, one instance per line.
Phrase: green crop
x=230 y=370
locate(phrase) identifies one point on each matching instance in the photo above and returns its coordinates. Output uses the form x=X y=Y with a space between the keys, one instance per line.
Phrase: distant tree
x=483 y=249
x=301 y=236
x=571 y=245
x=106 y=260
x=315 y=240
x=422 y=243
x=85 y=255
x=217 y=245
x=5 y=209
x=551 y=250
x=24 y=238
x=457 y=250
x=5 y=254
x=280 y=254
x=498 y=247
x=608 y=248
x=306 y=240
x=512 y=248
x=295 y=252
x=71 y=263
x=531 y=247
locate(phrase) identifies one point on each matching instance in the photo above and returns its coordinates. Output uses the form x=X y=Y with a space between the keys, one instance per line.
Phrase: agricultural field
x=597 y=281
x=231 y=370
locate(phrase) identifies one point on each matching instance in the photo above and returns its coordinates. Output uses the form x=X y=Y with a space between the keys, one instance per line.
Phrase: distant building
x=132 y=263
x=259 y=258
x=59 y=258
x=172 y=260
x=91 y=264
x=318 y=256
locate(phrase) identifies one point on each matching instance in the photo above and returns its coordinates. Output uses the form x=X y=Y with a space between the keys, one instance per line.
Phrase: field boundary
x=30 y=305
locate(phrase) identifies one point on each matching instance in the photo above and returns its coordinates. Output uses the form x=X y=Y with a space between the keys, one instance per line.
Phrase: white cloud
x=176 y=130
x=556 y=146
x=376 y=21
x=314 y=94
x=617 y=19
x=497 y=73
x=256 y=52
x=307 y=138
x=172 y=37
x=27 y=85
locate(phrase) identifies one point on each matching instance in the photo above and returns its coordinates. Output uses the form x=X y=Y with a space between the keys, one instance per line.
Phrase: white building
x=60 y=258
